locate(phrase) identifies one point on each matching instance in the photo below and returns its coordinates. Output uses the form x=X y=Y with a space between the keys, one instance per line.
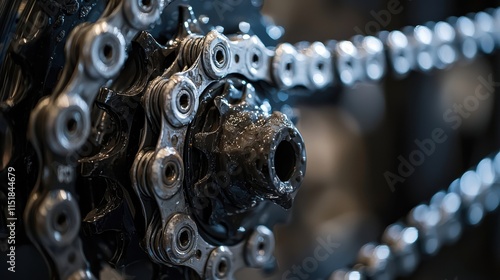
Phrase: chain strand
x=431 y=225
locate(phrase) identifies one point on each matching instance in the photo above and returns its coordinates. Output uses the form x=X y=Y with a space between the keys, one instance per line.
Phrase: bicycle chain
x=60 y=125
x=430 y=226
x=96 y=52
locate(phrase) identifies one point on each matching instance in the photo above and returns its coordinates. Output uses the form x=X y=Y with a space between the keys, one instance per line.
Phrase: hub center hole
x=285 y=160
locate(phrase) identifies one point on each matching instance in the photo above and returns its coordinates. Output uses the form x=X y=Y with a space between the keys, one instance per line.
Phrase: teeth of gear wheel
x=145 y=135
x=117 y=224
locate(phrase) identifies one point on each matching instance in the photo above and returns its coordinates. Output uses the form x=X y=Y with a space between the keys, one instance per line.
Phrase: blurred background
x=354 y=136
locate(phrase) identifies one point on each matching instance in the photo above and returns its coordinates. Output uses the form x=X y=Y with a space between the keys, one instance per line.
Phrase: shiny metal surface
x=211 y=152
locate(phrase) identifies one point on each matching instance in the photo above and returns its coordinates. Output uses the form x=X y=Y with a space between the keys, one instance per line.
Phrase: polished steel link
x=348 y=63
x=376 y=261
x=485 y=29
x=444 y=40
x=490 y=193
x=309 y=67
x=467 y=36
x=401 y=57
x=426 y=218
x=372 y=55
x=469 y=189
x=449 y=226
x=403 y=243
x=422 y=38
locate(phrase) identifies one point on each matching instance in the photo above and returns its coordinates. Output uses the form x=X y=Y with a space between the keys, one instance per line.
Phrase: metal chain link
x=370 y=58
x=60 y=125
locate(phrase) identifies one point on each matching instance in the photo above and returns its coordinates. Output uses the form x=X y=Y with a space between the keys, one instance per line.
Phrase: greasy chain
x=95 y=55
